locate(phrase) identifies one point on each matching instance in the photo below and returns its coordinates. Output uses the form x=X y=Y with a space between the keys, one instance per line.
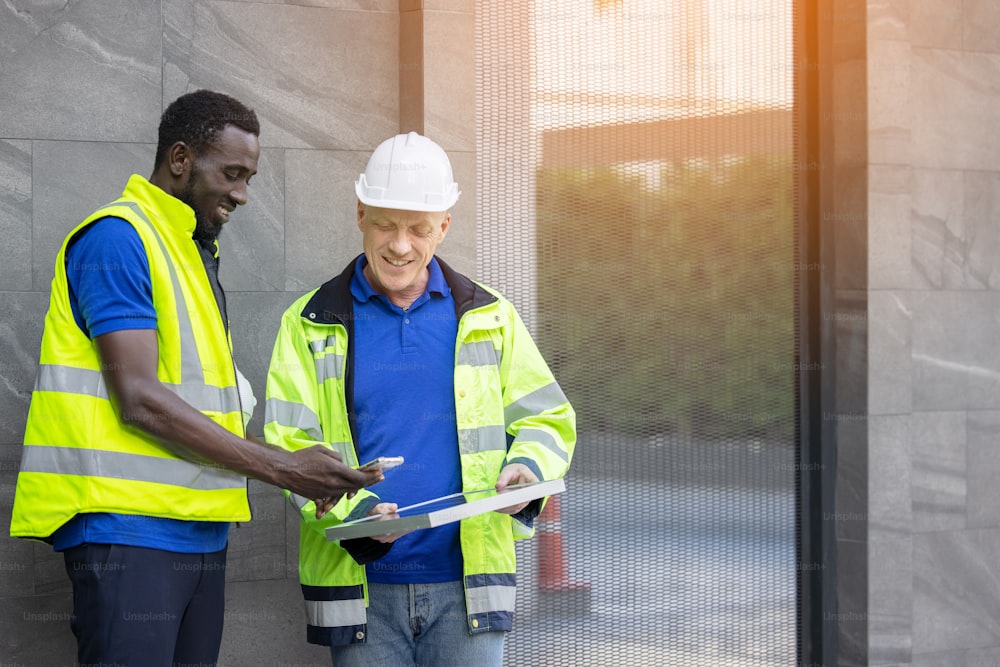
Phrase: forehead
x=234 y=146
x=403 y=218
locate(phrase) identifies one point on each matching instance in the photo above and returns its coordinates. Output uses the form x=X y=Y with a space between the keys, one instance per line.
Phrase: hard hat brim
x=369 y=195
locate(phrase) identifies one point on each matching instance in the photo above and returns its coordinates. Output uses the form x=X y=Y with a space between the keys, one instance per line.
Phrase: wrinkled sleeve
x=292 y=415
x=539 y=420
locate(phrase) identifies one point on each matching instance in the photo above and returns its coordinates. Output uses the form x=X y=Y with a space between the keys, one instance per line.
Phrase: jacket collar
x=332 y=302
x=168 y=209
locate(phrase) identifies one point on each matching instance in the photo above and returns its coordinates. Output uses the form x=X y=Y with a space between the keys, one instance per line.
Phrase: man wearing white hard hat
x=400 y=355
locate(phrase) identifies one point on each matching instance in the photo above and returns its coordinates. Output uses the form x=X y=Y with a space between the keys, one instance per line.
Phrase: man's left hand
x=515 y=473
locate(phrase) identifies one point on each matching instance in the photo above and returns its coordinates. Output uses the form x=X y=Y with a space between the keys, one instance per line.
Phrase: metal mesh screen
x=636 y=200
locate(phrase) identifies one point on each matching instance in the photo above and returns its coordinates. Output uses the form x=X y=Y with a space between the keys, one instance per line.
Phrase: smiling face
x=399 y=245
x=218 y=178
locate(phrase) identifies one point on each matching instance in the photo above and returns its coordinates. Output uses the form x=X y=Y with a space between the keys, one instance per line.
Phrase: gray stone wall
x=82 y=86
x=933 y=237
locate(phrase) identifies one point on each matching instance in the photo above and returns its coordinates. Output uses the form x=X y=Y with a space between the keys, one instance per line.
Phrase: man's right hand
x=317 y=472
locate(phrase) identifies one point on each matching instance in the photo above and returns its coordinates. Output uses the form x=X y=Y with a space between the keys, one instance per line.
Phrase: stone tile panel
x=15 y=214
x=257 y=548
x=956 y=93
x=936 y=24
x=321 y=228
x=955 y=592
x=955 y=366
x=890 y=349
x=890 y=600
x=70 y=181
x=890 y=114
x=981 y=234
x=16 y=555
x=983 y=469
x=450 y=82
x=938 y=470
x=20 y=340
x=36 y=630
x=938 y=229
x=99 y=56
x=313 y=76
x=252 y=244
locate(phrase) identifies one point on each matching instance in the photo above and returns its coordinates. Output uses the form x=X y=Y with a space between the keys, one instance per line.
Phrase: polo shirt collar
x=363 y=291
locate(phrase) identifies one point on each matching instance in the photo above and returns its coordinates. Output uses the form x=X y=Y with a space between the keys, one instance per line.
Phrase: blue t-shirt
x=404 y=401
x=110 y=290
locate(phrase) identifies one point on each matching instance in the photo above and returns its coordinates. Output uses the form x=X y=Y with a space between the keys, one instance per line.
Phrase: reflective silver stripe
x=321 y=344
x=482 y=439
x=335 y=613
x=520 y=530
x=478 y=354
x=206 y=398
x=297 y=501
x=135 y=467
x=70 y=380
x=483 y=599
x=330 y=366
x=293 y=415
x=191 y=369
x=544 y=437
x=549 y=397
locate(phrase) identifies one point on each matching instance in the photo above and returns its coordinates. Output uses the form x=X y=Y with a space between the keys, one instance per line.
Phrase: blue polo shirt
x=110 y=290
x=404 y=401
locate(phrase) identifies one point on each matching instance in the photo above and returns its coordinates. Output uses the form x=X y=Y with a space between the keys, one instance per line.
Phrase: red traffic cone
x=559 y=595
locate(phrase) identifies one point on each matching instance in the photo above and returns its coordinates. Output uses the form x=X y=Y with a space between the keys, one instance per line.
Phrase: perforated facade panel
x=636 y=200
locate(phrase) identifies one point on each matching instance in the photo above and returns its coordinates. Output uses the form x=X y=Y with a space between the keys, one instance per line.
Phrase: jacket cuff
x=364 y=550
x=528 y=514
x=363 y=507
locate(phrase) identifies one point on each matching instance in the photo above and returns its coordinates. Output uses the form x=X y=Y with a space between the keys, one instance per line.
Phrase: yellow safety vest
x=78 y=457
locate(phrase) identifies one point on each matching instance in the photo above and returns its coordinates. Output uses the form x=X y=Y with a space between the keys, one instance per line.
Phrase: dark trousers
x=141 y=607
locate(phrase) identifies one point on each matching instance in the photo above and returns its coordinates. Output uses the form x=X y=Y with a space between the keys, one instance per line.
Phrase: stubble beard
x=204 y=230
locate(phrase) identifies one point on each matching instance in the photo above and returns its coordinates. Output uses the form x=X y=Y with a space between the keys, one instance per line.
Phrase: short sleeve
x=109 y=282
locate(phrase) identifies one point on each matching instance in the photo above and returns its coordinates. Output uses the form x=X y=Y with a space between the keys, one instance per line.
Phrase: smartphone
x=383 y=462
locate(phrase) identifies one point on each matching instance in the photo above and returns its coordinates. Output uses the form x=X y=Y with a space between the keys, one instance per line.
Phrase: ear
x=445 y=223
x=179 y=159
x=361 y=215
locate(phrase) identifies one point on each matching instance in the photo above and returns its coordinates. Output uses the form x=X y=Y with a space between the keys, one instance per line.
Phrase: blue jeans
x=423 y=625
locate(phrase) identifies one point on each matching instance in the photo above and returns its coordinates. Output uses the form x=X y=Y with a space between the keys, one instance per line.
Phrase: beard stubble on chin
x=204 y=230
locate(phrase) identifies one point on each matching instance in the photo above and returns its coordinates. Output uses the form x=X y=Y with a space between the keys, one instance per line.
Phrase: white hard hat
x=408 y=172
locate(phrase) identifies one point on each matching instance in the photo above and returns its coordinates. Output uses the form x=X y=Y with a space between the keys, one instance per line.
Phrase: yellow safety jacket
x=508 y=407
x=78 y=457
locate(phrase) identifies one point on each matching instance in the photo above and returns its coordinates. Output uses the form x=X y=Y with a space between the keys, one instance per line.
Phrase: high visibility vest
x=78 y=457
x=508 y=408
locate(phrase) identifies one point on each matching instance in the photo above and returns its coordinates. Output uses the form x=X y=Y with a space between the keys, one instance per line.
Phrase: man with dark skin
x=213 y=184
x=135 y=454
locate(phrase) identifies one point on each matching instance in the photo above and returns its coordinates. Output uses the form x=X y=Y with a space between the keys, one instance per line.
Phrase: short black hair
x=197 y=118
